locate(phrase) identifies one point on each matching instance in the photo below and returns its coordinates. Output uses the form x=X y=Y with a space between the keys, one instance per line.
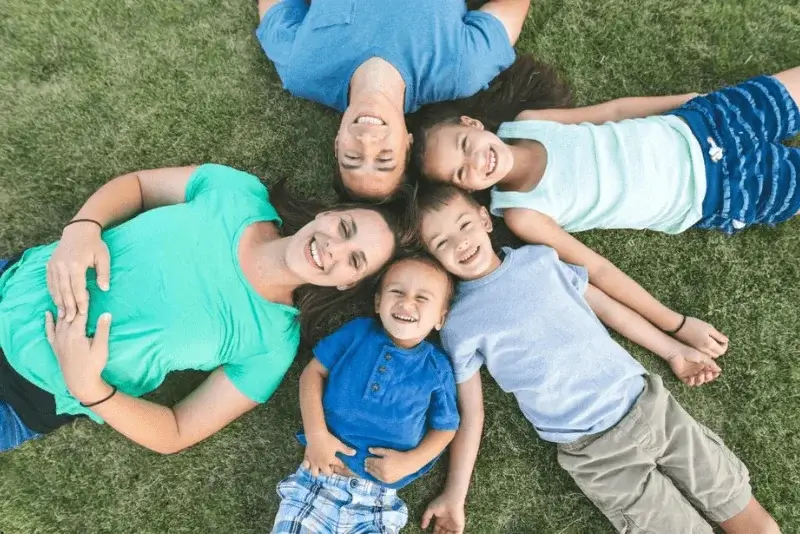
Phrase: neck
x=530 y=162
x=271 y=277
x=405 y=343
x=377 y=79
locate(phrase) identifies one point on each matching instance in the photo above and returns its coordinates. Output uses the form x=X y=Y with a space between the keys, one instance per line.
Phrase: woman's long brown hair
x=320 y=307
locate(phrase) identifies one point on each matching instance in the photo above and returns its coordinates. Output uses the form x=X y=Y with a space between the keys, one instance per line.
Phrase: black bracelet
x=113 y=392
x=73 y=221
x=673 y=332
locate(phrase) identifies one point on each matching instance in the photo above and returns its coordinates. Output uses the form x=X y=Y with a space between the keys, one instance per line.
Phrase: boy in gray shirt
x=621 y=435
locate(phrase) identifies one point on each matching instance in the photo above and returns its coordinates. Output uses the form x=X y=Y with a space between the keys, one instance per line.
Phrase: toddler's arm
x=691 y=366
x=612 y=111
x=535 y=227
x=389 y=465
x=322 y=446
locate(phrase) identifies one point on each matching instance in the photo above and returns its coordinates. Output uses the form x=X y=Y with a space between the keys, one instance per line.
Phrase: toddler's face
x=412 y=301
x=457 y=234
x=466 y=155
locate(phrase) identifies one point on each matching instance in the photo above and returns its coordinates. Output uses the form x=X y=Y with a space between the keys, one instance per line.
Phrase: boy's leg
x=618 y=472
x=309 y=504
x=13 y=432
x=705 y=470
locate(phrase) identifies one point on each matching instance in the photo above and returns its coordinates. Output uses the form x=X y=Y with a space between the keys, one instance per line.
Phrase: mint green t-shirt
x=178 y=298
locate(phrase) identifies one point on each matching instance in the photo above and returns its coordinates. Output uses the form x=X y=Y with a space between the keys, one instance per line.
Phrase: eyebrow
x=353 y=226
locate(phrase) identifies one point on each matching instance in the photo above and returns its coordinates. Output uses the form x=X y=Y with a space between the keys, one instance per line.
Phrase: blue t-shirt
x=442 y=51
x=529 y=323
x=380 y=395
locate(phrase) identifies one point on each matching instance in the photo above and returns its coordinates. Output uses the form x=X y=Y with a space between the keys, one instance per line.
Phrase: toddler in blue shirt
x=379 y=406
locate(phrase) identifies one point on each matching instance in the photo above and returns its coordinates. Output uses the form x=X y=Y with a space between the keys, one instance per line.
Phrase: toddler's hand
x=321 y=453
x=693 y=367
x=703 y=337
x=389 y=465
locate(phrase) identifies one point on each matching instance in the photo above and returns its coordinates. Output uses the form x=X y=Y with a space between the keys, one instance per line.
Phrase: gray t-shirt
x=529 y=323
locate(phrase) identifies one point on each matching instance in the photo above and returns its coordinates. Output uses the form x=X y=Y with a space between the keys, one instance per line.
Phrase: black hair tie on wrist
x=74 y=221
x=673 y=332
x=113 y=392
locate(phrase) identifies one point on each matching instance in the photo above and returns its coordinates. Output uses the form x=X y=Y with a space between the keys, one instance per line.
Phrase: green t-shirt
x=178 y=298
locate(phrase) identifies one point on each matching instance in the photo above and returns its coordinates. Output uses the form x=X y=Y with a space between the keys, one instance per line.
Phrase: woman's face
x=340 y=248
x=466 y=155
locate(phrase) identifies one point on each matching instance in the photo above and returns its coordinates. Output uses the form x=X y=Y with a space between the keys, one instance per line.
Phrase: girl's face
x=340 y=248
x=466 y=155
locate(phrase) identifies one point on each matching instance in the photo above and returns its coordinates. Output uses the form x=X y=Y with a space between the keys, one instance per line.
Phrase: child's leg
x=309 y=505
x=791 y=81
x=752 y=520
x=13 y=432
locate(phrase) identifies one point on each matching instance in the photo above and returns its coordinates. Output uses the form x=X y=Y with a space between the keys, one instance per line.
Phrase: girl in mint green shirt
x=165 y=270
x=669 y=163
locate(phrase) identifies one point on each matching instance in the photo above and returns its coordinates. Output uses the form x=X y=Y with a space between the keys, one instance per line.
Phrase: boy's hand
x=703 y=337
x=693 y=367
x=389 y=465
x=447 y=514
x=321 y=453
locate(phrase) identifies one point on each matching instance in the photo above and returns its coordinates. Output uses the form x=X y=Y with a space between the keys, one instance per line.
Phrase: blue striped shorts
x=752 y=177
x=337 y=505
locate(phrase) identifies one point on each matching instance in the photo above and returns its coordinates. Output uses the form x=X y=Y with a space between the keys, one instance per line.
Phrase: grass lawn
x=89 y=90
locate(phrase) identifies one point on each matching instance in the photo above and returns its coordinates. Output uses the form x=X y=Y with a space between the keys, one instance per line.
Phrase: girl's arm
x=81 y=246
x=612 y=111
x=321 y=445
x=691 y=366
x=535 y=227
x=447 y=509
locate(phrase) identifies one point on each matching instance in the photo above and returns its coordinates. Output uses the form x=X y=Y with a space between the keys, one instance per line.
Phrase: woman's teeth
x=368 y=119
x=315 y=254
x=469 y=256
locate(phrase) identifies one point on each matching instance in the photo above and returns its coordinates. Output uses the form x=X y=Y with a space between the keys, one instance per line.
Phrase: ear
x=347 y=286
x=440 y=324
x=409 y=141
x=472 y=123
x=486 y=219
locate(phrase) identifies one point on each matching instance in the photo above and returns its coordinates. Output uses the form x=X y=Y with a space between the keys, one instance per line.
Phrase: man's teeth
x=404 y=318
x=368 y=119
x=315 y=254
x=492 y=160
x=469 y=256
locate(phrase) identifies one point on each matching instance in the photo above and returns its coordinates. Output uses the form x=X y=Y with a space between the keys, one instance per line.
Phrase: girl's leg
x=12 y=431
x=752 y=520
x=791 y=81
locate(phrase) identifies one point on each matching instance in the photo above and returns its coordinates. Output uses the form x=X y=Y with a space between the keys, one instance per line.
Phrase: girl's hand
x=321 y=453
x=447 y=514
x=389 y=465
x=703 y=337
x=694 y=368
x=81 y=247
x=81 y=359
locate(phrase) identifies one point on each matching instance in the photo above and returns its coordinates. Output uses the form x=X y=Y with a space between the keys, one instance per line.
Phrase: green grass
x=89 y=90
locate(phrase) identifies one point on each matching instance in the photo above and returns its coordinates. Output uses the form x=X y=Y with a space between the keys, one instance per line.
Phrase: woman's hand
x=703 y=337
x=81 y=359
x=81 y=247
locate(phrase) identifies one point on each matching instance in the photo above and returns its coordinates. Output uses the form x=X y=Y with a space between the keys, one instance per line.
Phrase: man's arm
x=511 y=13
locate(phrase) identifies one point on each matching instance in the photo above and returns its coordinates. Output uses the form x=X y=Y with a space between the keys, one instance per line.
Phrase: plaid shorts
x=752 y=177
x=337 y=505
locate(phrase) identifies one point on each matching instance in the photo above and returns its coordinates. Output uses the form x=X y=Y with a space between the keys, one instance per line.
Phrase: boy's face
x=466 y=155
x=412 y=301
x=457 y=234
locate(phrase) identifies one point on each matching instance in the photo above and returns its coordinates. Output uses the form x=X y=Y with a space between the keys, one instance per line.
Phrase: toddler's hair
x=427 y=259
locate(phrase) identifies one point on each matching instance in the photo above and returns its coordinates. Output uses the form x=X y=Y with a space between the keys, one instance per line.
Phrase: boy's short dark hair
x=427 y=259
x=435 y=197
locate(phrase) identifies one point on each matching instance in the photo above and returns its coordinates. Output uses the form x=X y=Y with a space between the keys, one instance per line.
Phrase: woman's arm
x=535 y=227
x=612 y=111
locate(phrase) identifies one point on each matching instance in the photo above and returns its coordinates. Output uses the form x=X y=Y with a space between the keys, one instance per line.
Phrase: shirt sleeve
x=332 y=347
x=258 y=376
x=443 y=411
x=277 y=30
x=486 y=51
x=577 y=275
x=213 y=177
x=465 y=357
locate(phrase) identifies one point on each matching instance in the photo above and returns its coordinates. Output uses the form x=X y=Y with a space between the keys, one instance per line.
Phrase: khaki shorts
x=657 y=467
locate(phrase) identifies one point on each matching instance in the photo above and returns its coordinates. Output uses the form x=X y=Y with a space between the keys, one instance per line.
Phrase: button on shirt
x=381 y=395
x=442 y=51
x=529 y=323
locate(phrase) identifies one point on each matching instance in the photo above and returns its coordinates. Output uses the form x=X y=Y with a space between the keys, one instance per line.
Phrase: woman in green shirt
x=165 y=270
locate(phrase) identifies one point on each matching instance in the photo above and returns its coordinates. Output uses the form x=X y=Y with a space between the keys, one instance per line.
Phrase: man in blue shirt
x=375 y=60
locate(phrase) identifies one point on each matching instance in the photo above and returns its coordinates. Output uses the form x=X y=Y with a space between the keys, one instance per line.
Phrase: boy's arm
x=691 y=366
x=447 y=510
x=612 y=111
x=535 y=227
x=389 y=465
x=322 y=446
x=511 y=13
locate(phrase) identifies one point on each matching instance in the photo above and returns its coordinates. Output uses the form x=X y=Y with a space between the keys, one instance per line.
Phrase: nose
x=338 y=249
x=463 y=245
